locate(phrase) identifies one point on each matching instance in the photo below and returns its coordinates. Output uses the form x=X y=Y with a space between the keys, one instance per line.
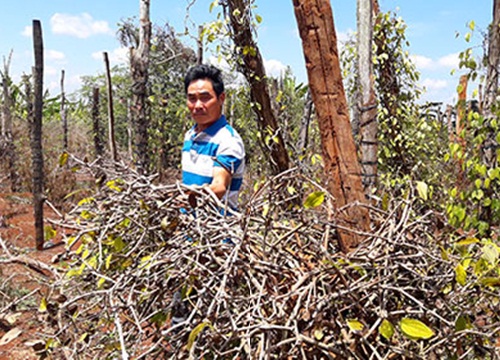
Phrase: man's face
x=203 y=103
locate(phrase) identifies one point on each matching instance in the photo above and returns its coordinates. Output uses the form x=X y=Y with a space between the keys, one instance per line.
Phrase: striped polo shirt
x=217 y=145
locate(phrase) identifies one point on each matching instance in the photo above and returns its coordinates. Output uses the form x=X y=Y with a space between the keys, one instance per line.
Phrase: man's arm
x=220 y=182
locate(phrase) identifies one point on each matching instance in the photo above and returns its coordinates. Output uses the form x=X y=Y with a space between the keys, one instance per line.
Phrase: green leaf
x=43 y=305
x=386 y=329
x=118 y=244
x=490 y=253
x=83 y=337
x=462 y=323
x=468 y=241
x=415 y=329
x=108 y=261
x=314 y=199
x=113 y=185
x=490 y=281
x=258 y=18
x=355 y=325
x=212 y=5
x=460 y=274
x=100 y=283
x=63 y=159
x=423 y=190
x=194 y=333
x=49 y=232
x=319 y=334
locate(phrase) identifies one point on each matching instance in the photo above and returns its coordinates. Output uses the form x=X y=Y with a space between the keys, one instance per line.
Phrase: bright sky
x=76 y=32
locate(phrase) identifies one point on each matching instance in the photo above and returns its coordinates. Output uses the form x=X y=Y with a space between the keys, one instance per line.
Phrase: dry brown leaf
x=11 y=318
x=10 y=335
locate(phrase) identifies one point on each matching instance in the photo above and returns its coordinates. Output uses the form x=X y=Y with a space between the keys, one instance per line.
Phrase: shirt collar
x=216 y=126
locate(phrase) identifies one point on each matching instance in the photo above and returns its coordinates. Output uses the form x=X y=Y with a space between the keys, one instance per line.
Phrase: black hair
x=210 y=72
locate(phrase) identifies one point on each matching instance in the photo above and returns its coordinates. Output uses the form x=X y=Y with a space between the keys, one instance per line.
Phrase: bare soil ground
x=21 y=286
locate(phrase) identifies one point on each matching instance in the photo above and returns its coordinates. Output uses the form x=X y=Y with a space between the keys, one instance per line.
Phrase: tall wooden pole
x=319 y=42
x=36 y=135
x=367 y=104
x=111 y=115
x=254 y=72
x=139 y=62
x=98 y=148
x=63 y=114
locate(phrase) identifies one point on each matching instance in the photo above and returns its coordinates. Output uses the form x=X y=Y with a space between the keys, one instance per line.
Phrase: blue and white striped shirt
x=218 y=145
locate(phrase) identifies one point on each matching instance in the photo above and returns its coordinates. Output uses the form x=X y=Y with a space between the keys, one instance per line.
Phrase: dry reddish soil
x=18 y=280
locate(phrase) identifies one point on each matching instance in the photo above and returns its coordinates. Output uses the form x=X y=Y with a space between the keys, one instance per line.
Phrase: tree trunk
x=254 y=72
x=98 y=147
x=139 y=61
x=319 y=42
x=36 y=135
x=491 y=87
x=111 y=114
x=366 y=102
x=63 y=114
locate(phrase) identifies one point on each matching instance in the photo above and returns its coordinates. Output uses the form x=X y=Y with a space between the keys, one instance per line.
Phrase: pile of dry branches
x=268 y=282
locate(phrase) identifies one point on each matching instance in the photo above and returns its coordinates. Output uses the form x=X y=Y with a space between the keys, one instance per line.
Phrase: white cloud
x=82 y=26
x=434 y=84
x=28 y=31
x=274 y=68
x=54 y=55
x=117 y=56
x=344 y=36
x=449 y=61
x=422 y=62
x=50 y=70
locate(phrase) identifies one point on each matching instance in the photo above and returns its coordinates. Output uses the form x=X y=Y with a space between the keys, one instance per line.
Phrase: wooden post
x=367 y=104
x=63 y=114
x=319 y=42
x=139 y=62
x=36 y=135
x=254 y=72
x=111 y=115
x=200 y=45
x=95 y=123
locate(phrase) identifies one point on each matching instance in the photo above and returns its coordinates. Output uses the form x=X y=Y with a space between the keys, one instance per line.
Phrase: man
x=213 y=153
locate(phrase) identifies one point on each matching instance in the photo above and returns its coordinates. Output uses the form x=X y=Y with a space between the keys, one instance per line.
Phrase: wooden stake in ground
x=367 y=104
x=98 y=147
x=253 y=69
x=36 y=135
x=319 y=42
x=63 y=114
x=111 y=114
x=139 y=62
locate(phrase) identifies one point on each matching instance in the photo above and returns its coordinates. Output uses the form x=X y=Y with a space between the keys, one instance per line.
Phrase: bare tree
x=319 y=42
x=111 y=114
x=239 y=12
x=63 y=114
x=139 y=61
x=96 y=130
x=36 y=135
x=367 y=104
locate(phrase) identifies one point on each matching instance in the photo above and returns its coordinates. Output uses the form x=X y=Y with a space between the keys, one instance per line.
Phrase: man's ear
x=222 y=97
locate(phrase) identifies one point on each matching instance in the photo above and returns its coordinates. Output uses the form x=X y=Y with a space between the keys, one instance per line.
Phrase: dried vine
x=266 y=283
